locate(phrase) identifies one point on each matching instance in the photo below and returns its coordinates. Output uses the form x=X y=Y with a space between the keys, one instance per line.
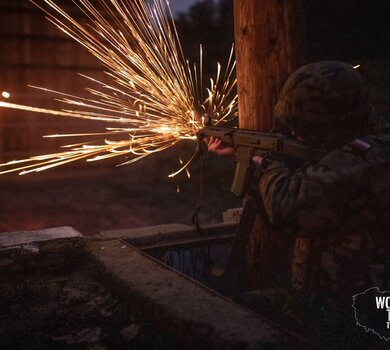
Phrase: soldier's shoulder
x=362 y=151
x=377 y=133
x=380 y=140
x=371 y=143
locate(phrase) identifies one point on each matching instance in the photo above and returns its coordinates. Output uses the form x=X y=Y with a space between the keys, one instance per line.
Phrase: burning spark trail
x=154 y=98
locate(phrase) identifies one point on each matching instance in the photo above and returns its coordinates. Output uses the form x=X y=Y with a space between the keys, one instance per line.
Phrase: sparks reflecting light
x=6 y=94
x=155 y=97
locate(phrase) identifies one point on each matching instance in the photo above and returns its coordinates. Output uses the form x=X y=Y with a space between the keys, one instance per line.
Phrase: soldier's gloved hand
x=214 y=145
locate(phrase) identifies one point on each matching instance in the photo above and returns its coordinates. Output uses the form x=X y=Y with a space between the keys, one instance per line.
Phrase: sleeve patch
x=361 y=145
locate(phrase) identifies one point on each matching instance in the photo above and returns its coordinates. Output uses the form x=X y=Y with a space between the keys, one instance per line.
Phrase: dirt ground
x=93 y=198
x=70 y=310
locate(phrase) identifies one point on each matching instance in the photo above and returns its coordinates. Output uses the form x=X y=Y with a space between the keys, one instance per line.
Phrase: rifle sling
x=253 y=207
x=237 y=254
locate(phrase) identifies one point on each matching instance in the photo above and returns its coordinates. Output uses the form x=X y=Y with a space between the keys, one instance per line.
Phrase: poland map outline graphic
x=372 y=311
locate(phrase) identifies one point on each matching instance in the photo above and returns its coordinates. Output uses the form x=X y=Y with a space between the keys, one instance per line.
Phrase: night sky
x=182 y=5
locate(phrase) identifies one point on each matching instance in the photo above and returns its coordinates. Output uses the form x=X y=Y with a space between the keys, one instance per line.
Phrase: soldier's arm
x=307 y=198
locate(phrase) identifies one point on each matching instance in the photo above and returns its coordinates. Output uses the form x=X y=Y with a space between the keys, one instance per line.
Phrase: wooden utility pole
x=1 y=139
x=270 y=45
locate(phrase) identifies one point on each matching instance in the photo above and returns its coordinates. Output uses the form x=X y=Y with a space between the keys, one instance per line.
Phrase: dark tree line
x=348 y=29
x=336 y=29
x=211 y=25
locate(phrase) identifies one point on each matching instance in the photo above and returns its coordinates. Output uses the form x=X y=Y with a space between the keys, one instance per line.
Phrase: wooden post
x=270 y=45
x=1 y=139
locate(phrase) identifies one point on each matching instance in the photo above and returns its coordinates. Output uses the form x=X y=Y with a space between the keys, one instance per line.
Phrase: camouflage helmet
x=324 y=102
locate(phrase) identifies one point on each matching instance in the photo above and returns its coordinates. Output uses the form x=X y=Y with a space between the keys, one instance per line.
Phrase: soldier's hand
x=214 y=145
x=256 y=160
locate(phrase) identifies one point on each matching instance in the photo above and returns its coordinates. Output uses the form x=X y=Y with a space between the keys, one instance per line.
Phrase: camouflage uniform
x=333 y=216
x=337 y=212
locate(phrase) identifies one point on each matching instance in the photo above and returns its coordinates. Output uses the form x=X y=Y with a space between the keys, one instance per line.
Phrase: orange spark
x=153 y=99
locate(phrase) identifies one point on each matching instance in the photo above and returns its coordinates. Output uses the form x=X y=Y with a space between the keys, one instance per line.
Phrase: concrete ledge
x=232 y=215
x=199 y=316
x=166 y=233
x=48 y=250
x=18 y=239
x=144 y=231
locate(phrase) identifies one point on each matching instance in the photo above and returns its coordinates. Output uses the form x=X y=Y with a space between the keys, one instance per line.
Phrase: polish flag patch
x=361 y=145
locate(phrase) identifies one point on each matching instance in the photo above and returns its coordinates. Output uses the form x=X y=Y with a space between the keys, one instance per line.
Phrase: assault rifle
x=248 y=144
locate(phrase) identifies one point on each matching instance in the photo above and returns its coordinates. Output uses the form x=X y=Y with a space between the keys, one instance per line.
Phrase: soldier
x=335 y=213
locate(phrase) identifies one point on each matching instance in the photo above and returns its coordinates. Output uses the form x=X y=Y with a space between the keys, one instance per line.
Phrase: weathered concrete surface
x=48 y=250
x=232 y=215
x=158 y=230
x=201 y=318
x=15 y=239
x=164 y=233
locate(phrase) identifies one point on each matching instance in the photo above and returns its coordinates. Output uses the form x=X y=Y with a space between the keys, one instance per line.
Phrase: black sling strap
x=236 y=266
